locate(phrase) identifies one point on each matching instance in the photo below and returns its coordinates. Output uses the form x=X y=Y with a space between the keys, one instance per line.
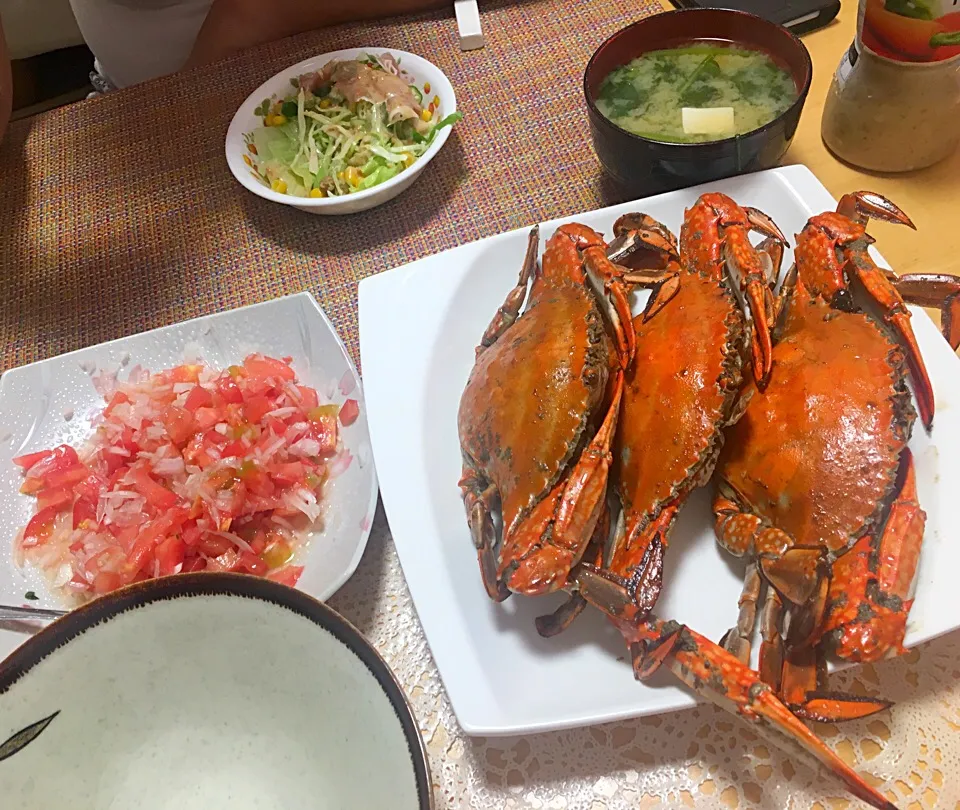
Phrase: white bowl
x=246 y=121
x=36 y=399
x=203 y=691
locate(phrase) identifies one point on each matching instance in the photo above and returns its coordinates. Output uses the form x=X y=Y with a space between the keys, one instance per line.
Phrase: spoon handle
x=8 y=612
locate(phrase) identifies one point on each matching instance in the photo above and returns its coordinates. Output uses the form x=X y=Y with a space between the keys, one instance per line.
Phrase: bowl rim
x=237 y=129
x=733 y=139
x=40 y=646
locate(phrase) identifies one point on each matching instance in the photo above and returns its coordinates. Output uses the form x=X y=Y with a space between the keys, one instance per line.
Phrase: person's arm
x=232 y=25
x=6 y=85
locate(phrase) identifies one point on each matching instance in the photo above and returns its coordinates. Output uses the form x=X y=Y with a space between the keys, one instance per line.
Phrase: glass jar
x=894 y=104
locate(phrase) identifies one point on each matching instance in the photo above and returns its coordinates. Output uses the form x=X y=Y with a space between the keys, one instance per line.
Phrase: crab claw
x=720 y=677
x=748 y=265
x=648 y=249
x=858 y=207
x=863 y=205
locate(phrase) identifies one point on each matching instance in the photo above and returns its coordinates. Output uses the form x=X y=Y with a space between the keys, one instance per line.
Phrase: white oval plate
x=35 y=398
x=245 y=120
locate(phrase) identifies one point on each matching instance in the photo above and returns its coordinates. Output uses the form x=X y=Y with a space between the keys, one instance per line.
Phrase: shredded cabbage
x=337 y=147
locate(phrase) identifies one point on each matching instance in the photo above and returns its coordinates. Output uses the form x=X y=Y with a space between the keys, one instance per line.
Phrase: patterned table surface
x=118 y=215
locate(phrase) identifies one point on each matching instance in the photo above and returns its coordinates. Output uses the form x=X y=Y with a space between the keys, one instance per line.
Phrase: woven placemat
x=118 y=214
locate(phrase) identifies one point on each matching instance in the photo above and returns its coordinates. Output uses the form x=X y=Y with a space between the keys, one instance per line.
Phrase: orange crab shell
x=817 y=453
x=679 y=394
x=532 y=396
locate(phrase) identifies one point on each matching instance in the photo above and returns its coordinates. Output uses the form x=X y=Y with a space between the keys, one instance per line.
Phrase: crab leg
x=937 y=290
x=715 y=674
x=557 y=531
x=628 y=589
x=477 y=500
x=737 y=639
x=510 y=309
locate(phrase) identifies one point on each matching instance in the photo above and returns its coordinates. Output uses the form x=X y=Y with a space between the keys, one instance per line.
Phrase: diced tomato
x=66 y=478
x=253 y=563
x=119 y=398
x=288 y=575
x=160 y=532
x=259 y=367
x=228 y=561
x=193 y=564
x=206 y=418
x=309 y=397
x=60 y=458
x=58 y=498
x=292 y=472
x=349 y=412
x=40 y=527
x=179 y=423
x=213 y=545
x=156 y=494
x=31 y=486
x=84 y=509
x=199 y=397
x=234 y=449
x=325 y=431
x=170 y=554
x=229 y=390
x=90 y=487
x=141 y=555
x=112 y=463
x=106 y=581
x=259 y=542
x=185 y=374
x=278 y=426
x=27 y=460
x=127 y=440
x=191 y=533
x=127 y=536
x=143 y=549
x=256 y=407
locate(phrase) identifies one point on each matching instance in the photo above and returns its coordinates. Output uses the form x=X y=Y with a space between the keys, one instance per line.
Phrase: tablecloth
x=118 y=215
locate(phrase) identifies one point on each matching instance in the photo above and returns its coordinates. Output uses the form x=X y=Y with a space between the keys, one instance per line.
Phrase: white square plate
x=35 y=398
x=419 y=325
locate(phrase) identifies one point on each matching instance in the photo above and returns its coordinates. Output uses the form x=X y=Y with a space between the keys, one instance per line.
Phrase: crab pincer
x=715 y=240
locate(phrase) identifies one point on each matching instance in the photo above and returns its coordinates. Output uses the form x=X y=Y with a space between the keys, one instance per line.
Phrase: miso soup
x=697 y=92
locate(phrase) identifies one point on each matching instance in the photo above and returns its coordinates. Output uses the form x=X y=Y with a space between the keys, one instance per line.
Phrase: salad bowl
x=418 y=72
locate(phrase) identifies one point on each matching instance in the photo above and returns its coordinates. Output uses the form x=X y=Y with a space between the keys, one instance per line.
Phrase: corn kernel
x=317 y=192
x=436 y=101
x=325 y=103
x=280 y=186
x=408 y=159
x=426 y=115
x=353 y=176
x=426 y=87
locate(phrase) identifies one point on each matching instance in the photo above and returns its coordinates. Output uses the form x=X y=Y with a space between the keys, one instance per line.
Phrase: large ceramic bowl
x=246 y=120
x=643 y=166
x=203 y=691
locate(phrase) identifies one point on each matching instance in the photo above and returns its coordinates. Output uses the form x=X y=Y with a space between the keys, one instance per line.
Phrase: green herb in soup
x=696 y=93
